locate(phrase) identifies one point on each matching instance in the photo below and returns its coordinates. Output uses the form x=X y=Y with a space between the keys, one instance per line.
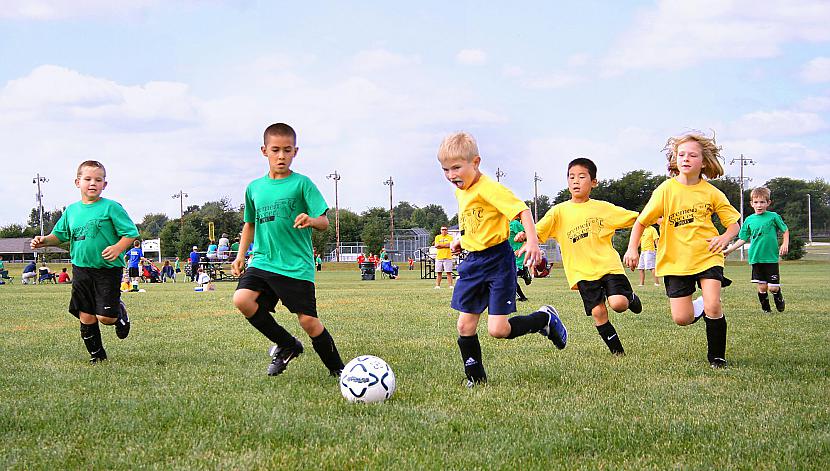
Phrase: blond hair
x=760 y=192
x=458 y=145
x=93 y=164
x=712 y=167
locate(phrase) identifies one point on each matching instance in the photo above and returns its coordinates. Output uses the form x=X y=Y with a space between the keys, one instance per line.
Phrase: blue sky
x=174 y=95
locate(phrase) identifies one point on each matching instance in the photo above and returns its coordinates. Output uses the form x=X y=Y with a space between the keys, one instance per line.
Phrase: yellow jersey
x=687 y=222
x=584 y=232
x=484 y=213
x=648 y=240
x=443 y=254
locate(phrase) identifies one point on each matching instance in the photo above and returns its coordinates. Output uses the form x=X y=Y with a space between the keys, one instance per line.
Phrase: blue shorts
x=487 y=280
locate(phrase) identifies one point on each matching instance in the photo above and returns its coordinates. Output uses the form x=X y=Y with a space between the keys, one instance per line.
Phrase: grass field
x=188 y=390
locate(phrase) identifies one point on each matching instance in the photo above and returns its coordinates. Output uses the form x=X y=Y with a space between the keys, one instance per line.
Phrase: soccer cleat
x=525 y=274
x=437 y=287
x=336 y=373
x=122 y=325
x=98 y=357
x=280 y=357
x=717 y=363
x=634 y=304
x=522 y=299
x=765 y=306
x=779 y=301
x=471 y=382
x=555 y=330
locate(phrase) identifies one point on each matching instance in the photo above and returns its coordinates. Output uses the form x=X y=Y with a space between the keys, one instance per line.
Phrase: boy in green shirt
x=761 y=230
x=99 y=231
x=281 y=208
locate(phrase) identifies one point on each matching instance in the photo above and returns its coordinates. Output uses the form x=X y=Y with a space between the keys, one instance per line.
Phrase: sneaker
x=717 y=363
x=525 y=272
x=280 y=357
x=779 y=301
x=98 y=357
x=522 y=299
x=634 y=304
x=336 y=373
x=765 y=305
x=437 y=287
x=471 y=382
x=555 y=331
x=122 y=325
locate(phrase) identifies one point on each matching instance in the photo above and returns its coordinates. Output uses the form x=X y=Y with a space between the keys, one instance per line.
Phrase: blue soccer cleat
x=555 y=331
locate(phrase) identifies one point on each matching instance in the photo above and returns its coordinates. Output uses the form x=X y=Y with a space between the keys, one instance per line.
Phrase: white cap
x=195 y=247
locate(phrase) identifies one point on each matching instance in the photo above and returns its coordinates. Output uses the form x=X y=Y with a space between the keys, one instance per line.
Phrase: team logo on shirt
x=701 y=211
x=282 y=209
x=591 y=226
x=471 y=220
x=89 y=230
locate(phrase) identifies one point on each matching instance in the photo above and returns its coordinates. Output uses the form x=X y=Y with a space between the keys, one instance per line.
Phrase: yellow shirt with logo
x=443 y=254
x=687 y=222
x=584 y=232
x=484 y=213
x=650 y=236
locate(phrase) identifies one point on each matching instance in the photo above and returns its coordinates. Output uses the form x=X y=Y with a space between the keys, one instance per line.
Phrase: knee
x=498 y=331
x=311 y=325
x=466 y=328
x=618 y=303
x=246 y=304
x=683 y=317
x=107 y=320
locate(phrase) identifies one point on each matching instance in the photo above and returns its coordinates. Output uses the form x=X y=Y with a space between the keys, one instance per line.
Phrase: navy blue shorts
x=487 y=280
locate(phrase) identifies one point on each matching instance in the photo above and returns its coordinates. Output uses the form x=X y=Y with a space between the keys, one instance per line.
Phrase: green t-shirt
x=235 y=247
x=761 y=231
x=272 y=205
x=90 y=228
x=515 y=228
x=2 y=265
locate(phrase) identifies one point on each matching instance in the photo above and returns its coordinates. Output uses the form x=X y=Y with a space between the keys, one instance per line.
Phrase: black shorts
x=766 y=273
x=296 y=295
x=96 y=291
x=133 y=272
x=680 y=286
x=595 y=292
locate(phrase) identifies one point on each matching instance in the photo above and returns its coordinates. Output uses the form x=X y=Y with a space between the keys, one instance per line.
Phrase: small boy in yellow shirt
x=648 y=253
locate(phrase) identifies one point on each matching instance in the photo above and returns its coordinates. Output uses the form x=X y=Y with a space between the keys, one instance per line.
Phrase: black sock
x=610 y=337
x=324 y=346
x=777 y=294
x=91 y=335
x=715 y=338
x=471 y=356
x=264 y=322
x=764 y=299
x=519 y=293
x=521 y=325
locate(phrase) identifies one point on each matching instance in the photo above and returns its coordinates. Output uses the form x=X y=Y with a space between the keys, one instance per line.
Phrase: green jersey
x=272 y=205
x=515 y=228
x=761 y=231
x=90 y=228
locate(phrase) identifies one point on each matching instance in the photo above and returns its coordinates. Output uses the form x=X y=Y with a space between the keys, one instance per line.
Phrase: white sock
x=697 y=305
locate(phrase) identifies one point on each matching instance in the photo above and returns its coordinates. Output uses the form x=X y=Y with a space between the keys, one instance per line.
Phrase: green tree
x=12 y=230
x=543 y=205
x=151 y=226
x=170 y=244
x=374 y=234
x=789 y=199
x=431 y=217
x=403 y=215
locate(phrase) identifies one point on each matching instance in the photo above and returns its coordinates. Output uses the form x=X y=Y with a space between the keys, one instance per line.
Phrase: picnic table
x=218 y=270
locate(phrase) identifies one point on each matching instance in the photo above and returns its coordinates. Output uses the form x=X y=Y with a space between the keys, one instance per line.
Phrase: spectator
x=63 y=277
x=194 y=263
x=211 y=251
x=224 y=247
x=3 y=272
x=45 y=274
x=29 y=273
x=167 y=272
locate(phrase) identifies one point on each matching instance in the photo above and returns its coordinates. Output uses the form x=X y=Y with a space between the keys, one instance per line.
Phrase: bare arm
x=734 y=246
x=43 y=241
x=238 y=264
x=531 y=248
x=717 y=244
x=785 y=244
x=303 y=220
x=113 y=251
x=631 y=256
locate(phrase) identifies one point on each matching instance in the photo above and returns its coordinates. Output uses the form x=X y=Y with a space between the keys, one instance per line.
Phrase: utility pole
x=336 y=177
x=536 y=180
x=809 y=221
x=38 y=180
x=499 y=174
x=391 y=214
x=181 y=195
x=743 y=161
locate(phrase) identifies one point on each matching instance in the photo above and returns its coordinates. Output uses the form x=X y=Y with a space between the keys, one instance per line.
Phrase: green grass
x=187 y=389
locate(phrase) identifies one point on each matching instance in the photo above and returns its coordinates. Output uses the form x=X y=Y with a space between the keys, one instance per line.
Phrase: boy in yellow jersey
x=648 y=253
x=487 y=277
x=690 y=250
x=584 y=228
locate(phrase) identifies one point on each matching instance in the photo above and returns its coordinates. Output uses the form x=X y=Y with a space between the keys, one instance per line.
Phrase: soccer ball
x=367 y=379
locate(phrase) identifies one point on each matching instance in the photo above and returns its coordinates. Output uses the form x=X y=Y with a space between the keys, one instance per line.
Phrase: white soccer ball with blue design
x=367 y=379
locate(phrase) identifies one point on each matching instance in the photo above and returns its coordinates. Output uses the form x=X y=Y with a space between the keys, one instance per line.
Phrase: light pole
x=38 y=180
x=499 y=174
x=809 y=221
x=743 y=161
x=536 y=180
x=336 y=177
x=391 y=213
x=181 y=195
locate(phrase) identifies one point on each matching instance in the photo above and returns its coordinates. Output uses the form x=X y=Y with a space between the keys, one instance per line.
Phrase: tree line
x=371 y=227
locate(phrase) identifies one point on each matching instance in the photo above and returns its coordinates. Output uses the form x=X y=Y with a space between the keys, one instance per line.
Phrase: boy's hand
x=455 y=246
x=237 y=266
x=110 y=253
x=718 y=244
x=631 y=259
x=520 y=237
x=38 y=242
x=784 y=250
x=302 y=221
x=532 y=253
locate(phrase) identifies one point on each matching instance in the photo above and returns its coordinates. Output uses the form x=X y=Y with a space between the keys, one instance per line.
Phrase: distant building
x=18 y=249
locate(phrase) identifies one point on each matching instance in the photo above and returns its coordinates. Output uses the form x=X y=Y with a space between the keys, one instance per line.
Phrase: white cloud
x=770 y=157
x=381 y=59
x=512 y=71
x=817 y=70
x=551 y=81
x=46 y=10
x=815 y=104
x=776 y=123
x=679 y=34
x=471 y=57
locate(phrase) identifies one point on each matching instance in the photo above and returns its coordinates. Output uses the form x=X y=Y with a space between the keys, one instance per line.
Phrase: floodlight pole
x=499 y=174
x=336 y=177
x=743 y=162
x=536 y=180
x=809 y=221
x=38 y=180
x=391 y=213
x=181 y=195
